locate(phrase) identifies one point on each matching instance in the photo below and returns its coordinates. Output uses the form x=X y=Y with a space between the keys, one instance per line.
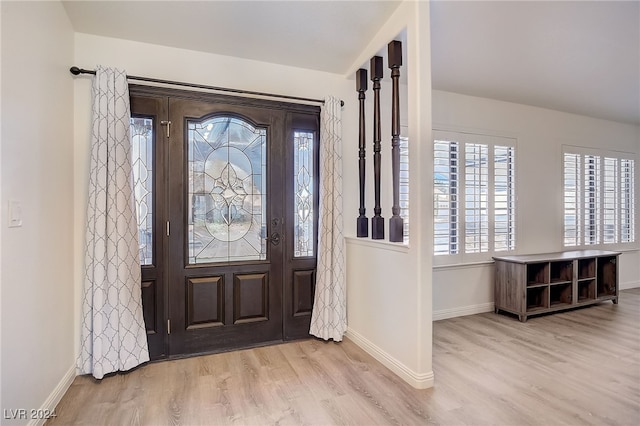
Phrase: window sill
x=463 y=265
x=609 y=247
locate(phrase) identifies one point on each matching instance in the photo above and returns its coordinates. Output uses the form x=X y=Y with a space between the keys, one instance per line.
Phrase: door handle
x=274 y=239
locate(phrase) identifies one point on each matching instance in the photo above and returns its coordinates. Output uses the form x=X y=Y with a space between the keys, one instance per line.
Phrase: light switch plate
x=15 y=214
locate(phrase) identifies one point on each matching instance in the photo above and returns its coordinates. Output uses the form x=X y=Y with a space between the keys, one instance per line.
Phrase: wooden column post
x=377 y=221
x=396 y=224
x=362 y=226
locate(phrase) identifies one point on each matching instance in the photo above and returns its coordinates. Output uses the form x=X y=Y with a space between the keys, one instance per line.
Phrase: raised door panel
x=250 y=297
x=303 y=288
x=205 y=302
x=149 y=303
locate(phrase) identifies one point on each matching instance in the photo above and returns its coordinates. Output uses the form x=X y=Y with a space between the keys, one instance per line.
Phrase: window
x=474 y=195
x=627 y=201
x=141 y=132
x=599 y=197
x=227 y=189
x=303 y=172
x=476 y=190
x=504 y=190
x=404 y=187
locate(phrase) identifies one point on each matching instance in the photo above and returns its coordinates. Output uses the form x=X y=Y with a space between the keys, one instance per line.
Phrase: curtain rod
x=76 y=71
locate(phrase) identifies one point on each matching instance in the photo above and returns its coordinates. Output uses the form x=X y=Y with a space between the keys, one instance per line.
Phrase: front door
x=226 y=210
x=235 y=222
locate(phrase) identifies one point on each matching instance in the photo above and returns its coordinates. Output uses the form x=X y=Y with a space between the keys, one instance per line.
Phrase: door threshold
x=224 y=350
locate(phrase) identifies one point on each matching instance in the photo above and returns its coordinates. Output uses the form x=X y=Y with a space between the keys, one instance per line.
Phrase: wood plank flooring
x=580 y=367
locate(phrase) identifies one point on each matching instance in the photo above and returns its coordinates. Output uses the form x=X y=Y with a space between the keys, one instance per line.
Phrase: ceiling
x=579 y=57
x=320 y=35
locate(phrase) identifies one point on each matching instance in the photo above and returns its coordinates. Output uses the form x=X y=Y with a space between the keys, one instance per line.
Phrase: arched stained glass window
x=227 y=190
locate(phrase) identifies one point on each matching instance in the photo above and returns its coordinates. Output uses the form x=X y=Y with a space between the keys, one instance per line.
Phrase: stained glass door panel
x=303 y=172
x=141 y=132
x=227 y=191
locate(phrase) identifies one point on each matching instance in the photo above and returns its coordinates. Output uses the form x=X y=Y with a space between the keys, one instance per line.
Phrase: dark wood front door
x=226 y=213
x=235 y=221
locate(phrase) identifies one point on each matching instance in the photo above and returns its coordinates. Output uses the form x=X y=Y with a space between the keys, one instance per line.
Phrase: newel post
x=362 y=225
x=377 y=221
x=396 y=224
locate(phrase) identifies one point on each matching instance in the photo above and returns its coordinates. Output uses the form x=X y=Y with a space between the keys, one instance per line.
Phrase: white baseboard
x=54 y=398
x=417 y=380
x=629 y=284
x=490 y=306
x=463 y=310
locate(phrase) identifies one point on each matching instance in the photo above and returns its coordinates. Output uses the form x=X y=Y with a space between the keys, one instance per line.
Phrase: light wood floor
x=579 y=367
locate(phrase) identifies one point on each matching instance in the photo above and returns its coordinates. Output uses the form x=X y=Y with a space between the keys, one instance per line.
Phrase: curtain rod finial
x=74 y=70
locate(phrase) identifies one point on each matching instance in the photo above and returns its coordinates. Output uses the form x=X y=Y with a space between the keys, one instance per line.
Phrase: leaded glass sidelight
x=142 y=161
x=303 y=171
x=226 y=190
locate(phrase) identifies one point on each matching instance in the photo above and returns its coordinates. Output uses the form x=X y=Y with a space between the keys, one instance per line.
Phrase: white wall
x=187 y=66
x=37 y=163
x=540 y=134
x=388 y=291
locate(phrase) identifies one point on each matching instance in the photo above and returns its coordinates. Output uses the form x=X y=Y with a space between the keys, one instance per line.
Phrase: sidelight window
x=303 y=183
x=141 y=132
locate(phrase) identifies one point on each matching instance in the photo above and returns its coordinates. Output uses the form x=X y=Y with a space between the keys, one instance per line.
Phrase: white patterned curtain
x=113 y=336
x=329 y=315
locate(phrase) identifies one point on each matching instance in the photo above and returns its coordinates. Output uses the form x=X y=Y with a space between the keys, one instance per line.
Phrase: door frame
x=298 y=273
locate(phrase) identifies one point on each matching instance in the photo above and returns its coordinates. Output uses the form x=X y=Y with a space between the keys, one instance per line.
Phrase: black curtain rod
x=76 y=71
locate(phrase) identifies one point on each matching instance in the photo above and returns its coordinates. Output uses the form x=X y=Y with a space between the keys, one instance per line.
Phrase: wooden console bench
x=540 y=283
